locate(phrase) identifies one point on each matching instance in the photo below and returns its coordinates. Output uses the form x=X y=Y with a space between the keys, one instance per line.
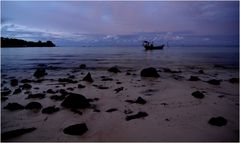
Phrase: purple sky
x=126 y=23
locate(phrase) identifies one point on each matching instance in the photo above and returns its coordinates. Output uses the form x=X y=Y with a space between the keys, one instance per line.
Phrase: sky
x=119 y=23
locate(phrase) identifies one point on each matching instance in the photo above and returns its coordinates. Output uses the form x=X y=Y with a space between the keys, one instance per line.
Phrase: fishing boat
x=149 y=46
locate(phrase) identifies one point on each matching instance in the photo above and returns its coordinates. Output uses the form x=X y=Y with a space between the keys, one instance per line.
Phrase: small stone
x=198 y=94
x=81 y=86
x=140 y=100
x=118 y=89
x=57 y=98
x=40 y=72
x=50 y=110
x=74 y=100
x=37 y=95
x=14 y=82
x=26 y=81
x=149 y=72
x=201 y=71
x=88 y=78
x=77 y=129
x=101 y=87
x=26 y=86
x=17 y=91
x=63 y=92
x=15 y=133
x=82 y=66
x=114 y=70
x=67 y=80
x=112 y=110
x=14 y=106
x=234 y=80
x=6 y=92
x=214 y=82
x=136 y=116
x=33 y=105
x=218 y=121
x=194 y=78
x=51 y=91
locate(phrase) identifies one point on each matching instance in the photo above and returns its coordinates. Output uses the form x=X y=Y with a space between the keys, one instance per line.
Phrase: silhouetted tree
x=10 y=42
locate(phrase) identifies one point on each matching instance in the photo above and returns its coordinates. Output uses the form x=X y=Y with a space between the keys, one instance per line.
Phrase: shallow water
x=27 y=58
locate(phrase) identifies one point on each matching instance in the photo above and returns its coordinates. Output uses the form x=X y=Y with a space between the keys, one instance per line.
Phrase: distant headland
x=11 y=42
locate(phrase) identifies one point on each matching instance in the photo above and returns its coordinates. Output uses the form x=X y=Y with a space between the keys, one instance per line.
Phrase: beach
x=169 y=111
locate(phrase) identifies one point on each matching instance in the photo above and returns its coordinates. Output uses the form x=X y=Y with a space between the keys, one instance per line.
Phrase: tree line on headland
x=11 y=42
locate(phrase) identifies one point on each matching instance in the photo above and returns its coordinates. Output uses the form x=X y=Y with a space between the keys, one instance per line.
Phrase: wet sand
x=173 y=113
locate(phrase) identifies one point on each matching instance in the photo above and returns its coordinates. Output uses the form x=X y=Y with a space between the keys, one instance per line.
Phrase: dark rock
x=50 y=110
x=114 y=70
x=82 y=66
x=214 y=82
x=37 y=95
x=71 y=76
x=88 y=78
x=14 y=106
x=164 y=104
x=221 y=96
x=27 y=92
x=33 y=105
x=77 y=129
x=234 y=80
x=149 y=72
x=136 y=116
x=101 y=87
x=76 y=111
x=26 y=81
x=70 y=88
x=26 y=86
x=118 y=82
x=15 y=133
x=67 y=80
x=81 y=86
x=74 y=100
x=218 y=121
x=201 y=71
x=40 y=72
x=17 y=91
x=6 y=92
x=107 y=79
x=96 y=110
x=4 y=98
x=112 y=110
x=128 y=73
x=140 y=100
x=57 y=98
x=167 y=70
x=198 y=94
x=51 y=91
x=14 y=82
x=118 y=89
x=63 y=92
x=194 y=78
x=219 y=66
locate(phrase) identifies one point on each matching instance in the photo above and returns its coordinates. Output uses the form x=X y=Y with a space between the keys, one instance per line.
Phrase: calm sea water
x=17 y=59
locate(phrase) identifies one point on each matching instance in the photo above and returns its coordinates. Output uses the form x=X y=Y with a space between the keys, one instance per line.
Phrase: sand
x=173 y=113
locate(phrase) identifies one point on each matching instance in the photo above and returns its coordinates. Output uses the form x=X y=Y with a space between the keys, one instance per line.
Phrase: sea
x=25 y=59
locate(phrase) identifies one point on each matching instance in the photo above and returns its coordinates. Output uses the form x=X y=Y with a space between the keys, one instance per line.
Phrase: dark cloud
x=121 y=22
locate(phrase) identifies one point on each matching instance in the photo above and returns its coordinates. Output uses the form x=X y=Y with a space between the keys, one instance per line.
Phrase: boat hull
x=154 y=47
